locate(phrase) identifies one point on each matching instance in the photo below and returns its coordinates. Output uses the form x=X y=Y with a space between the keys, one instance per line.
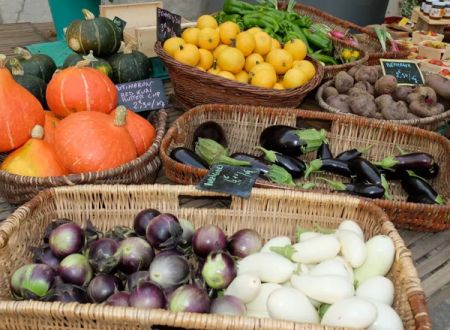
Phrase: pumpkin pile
x=84 y=131
x=250 y=57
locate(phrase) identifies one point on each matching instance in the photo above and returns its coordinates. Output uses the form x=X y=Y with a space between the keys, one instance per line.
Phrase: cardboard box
x=141 y=23
x=418 y=37
x=434 y=53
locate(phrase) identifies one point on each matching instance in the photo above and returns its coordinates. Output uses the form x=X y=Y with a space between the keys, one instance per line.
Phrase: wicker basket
x=18 y=189
x=193 y=87
x=429 y=123
x=270 y=212
x=367 y=39
x=243 y=125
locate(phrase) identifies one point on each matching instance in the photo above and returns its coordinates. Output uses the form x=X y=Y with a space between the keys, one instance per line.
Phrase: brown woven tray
x=193 y=87
x=429 y=123
x=243 y=125
x=17 y=189
x=270 y=212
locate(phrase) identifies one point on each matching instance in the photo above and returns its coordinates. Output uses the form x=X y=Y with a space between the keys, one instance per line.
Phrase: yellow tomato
x=214 y=70
x=297 y=48
x=263 y=43
x=278 y=85
x=189 y=54
x=280 y=59
x=218 y=50
x=227 y=75
x=245 y=42
x=275 y=44
x=262 y=67
x=228 y=32
x=208 y=38
x=253 y=60
x=264 y=78
x=190 y=35
x=172 y=45
x=206 y=59
x=254 y=30
x=306 y=67
x=206 y=21
x=242 y=77
x=200 y=68
x=231 y=59
x=294 y=78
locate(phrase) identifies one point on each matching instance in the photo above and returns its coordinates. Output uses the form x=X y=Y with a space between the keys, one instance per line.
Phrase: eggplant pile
x=282 y=146
x=162 y=262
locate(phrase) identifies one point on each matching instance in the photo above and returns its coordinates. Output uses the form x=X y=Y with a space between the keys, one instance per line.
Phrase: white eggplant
x=380 y=256
x=347 y=266
x=387 y=318
x=307 y=235
x=268 y=267
x=330 y=267
x=378 y=288
x=353 y=248
x=326 y=288
x=291 y=305
x=352 y=312
x=279 y=241
x=245 y=287
x=352 y=226
x=259 y=304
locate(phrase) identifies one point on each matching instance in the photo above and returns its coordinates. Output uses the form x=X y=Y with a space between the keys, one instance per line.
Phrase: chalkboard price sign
x=142 y=95
x=406 y=72
x=168 y=24
x=120 y=23
x=232 y=180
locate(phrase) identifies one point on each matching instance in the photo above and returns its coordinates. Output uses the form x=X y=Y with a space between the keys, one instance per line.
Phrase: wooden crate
x=141 y=23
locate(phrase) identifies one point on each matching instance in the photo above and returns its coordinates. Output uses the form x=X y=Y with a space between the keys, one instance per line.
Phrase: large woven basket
x=193 y=87
x=243 y=125
x=429 y=123
x=270 y=212
x=367 y=39
x=17 y=189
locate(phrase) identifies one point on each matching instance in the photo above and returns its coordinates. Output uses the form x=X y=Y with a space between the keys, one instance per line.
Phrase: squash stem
x=83 y=63
x=2 y=60
x=128 y=48
x=87 y=14
x=90 y=57
x=121 y=116
x=22 y=52
x=37 y=132
x=17 y=69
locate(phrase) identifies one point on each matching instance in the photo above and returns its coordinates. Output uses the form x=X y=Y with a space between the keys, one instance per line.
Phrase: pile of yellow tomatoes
x=250 y=57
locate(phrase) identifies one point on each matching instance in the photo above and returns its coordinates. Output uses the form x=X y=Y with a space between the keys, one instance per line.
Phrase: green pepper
x=304 y=22
x=326 y=59
x=237 y=7
x=318 y=39
x=256 y=19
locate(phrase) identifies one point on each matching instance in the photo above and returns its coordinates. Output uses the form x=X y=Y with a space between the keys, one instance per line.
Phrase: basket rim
x=413 y=122
x=345 y=66
x=73 y=179
x=414 y=293
x=244 y=88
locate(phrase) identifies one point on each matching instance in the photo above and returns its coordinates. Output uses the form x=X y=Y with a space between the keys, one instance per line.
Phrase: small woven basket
x=270 y=212
x=244 y=124
x=17 y=189
x=429 y=123
x=194 y=87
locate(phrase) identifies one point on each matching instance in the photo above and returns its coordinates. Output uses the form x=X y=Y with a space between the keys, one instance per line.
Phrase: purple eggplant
x=134 y=279
x=102 y=287
x=360 y=189
x=101 y=255
x=142 y=219
x=219 y=270
x=256 y=163
x=134 y=254
x=189 y=298
x=420 y=191
x=44 y=255
x=244 y=242
x=207 y=239
x=411 y=161
x=428 y=173
x=147 y=295
x=52 y=226
x=75 y=269
x=292 y=141
x=188 y=233
x=334 y=166
x=169 y=270
x=119 y=299
x=294 y=166
x=350 y=154
x=210 y=130
x=324 y=152
x=164 y=231
x=119 y=233
x=32 y=281
x=392 y=175
x=365 y=171
x=188 y=157
x=67 y=293
x=227 y=305
x=66 y=239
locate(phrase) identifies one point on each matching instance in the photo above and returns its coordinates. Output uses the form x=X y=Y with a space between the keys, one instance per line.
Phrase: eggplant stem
x=440 y=200
x=285 y=251
x=400 y=150
x=300 y=230
x=412 y=173
x=387 y=163
x=336 y=185
x=313 y=166
x=366 y=149
x=313 y=138
x=385 y=185
x=270 y=155
x=307 y=185
x=278 y=174
x=324 y=231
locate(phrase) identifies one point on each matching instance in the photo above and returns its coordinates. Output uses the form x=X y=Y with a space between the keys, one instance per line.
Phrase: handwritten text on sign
x=167 y=24
x=233 y=180
x=406 y=72
x=142 y=95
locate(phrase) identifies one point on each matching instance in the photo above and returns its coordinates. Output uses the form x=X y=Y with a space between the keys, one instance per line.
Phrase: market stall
x=285 y=217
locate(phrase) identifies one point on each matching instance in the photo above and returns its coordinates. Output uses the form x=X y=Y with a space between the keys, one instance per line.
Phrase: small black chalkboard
x=142 y=95
x=120 y=23
x=406 y=72
x=168 y=24
x=232 y=180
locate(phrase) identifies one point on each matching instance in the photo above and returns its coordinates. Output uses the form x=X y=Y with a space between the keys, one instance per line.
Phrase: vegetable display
x=38 y=65
x=279 y=161
x=303 y=280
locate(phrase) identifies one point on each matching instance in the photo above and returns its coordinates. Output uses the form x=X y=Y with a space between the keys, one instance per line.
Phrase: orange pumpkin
x=20 y=111
x=93 y=141
x=35 y=158
x=142 y=132
x=78 y=89
x=51 y=121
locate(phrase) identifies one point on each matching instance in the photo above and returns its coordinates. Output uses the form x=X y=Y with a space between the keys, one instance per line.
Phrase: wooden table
x=431 y=252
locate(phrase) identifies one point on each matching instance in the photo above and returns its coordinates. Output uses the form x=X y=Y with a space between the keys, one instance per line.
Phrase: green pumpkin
x=131 y=65
x=33 y=84
x=38 y=65
x=93 y=62
x=97 y=34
